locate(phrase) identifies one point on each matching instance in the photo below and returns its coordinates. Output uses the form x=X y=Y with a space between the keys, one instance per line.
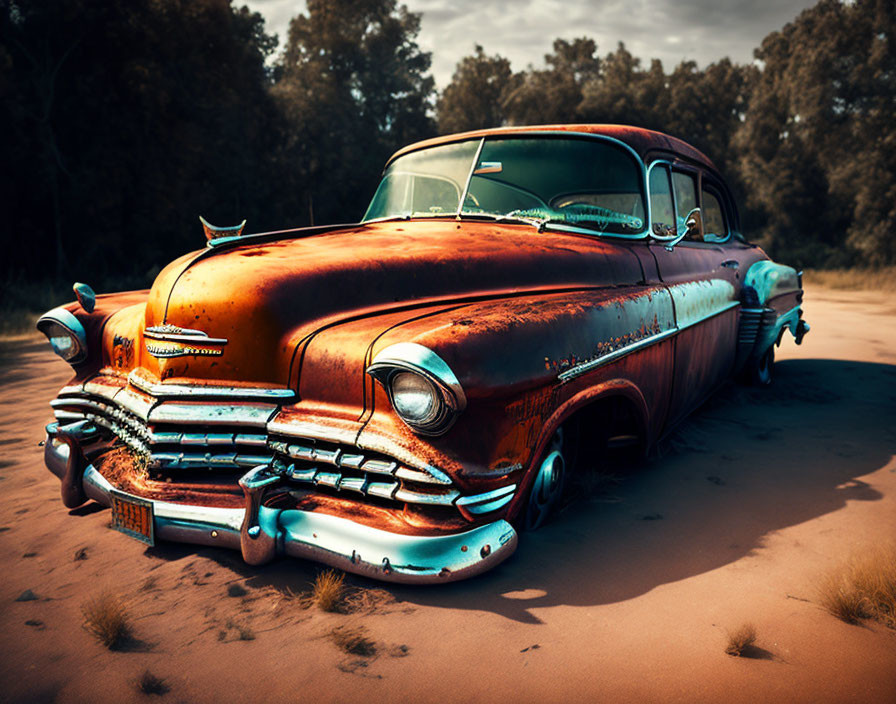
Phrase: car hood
x=259 y=301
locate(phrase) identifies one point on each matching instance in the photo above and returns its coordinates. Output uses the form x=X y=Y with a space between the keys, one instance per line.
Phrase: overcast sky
x=523 y=30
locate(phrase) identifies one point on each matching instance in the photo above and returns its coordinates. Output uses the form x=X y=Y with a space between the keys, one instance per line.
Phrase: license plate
x=133 y=516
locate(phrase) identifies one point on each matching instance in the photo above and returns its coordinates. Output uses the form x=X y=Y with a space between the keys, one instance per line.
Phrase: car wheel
x=761 y=369
x=547 y=488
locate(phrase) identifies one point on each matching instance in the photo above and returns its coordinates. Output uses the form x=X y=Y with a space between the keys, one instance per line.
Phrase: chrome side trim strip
x=588 y=366
x=697 y=321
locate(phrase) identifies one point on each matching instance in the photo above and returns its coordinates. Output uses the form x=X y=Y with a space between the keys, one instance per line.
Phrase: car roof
x=642 y=141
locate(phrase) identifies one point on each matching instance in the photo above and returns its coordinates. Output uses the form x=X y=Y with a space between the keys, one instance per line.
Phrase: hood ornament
x=164 y=341
x=213 y=232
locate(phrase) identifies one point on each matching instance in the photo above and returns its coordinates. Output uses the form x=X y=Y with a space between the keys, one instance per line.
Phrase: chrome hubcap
x=548 y=485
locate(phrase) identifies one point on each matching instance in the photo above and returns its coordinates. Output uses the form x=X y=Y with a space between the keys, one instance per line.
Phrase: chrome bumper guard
x=260 y=533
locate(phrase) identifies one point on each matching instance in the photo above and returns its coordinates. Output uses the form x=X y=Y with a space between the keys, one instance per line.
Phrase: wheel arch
x=579 y=406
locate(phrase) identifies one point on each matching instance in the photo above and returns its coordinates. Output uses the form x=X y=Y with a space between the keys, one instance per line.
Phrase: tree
x=352 y=87
x=554 y=95
x=818 y=141
x=127 y=119
x=474 y=98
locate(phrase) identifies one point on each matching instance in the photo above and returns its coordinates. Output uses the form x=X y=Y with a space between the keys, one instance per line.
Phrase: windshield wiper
x=509 y=217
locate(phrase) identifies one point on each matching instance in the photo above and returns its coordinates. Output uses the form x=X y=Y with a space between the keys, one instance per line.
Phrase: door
x=704 y=280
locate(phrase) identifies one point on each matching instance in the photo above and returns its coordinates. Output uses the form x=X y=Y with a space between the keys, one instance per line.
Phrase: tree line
x=123 y=121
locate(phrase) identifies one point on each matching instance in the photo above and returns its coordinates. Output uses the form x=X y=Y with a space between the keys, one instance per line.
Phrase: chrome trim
x=498 y=493
x=486 y=503
x=463 y=196
x=697 y=173
x=588 y=366
x=417 y=358
x=173 y=333
x=254 y=415
x=67 y=320
x=304 y=430
x=585 y=367
x=71 y=389
x=182 y=460
x=85 y=295
x=260 y=532
x=181 y=342
x=213 y=232
x=419 y=497
x=523 y=134
x=166 y=390
x=132 y=403
x=170 y=438
x=713 y=314
x=413 y=475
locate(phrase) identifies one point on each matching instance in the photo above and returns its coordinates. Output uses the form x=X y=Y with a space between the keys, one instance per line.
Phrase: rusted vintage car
x=398 y=398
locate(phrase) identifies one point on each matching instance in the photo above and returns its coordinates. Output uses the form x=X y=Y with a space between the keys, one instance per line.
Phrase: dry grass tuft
x=368 y=601
x=106 y=617
x=150 y=684
x=328 y=591
x=863 y=588
x=353 y=640
x=740 y=640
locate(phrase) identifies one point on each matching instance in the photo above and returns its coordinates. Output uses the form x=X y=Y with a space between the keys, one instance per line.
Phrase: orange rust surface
x=124 y=472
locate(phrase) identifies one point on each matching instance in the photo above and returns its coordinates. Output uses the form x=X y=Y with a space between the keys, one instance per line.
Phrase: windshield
x=583 y=182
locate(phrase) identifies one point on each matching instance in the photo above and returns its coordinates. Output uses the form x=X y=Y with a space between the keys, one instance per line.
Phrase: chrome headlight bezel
x=66 y=335
x=411 y=358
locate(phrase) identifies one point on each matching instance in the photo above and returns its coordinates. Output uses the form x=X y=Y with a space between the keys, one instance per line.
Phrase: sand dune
x=628 y=596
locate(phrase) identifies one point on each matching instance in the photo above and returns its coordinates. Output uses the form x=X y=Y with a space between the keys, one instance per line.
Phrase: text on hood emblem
x=168 y=340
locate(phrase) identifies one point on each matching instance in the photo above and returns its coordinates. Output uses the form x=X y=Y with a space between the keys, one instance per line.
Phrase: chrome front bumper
x=261 y=533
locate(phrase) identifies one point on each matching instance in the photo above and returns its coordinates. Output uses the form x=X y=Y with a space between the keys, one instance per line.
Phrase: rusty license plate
x=133 y=516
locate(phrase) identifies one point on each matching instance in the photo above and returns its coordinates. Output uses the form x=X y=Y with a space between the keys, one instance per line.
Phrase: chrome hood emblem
x=164 y=341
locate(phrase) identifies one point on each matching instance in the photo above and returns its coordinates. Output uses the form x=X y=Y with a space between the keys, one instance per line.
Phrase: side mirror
x=694 y=223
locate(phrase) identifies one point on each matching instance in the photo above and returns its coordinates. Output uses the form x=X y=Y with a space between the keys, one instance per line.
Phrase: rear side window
x=662 y=209
x=685 y=197
x=715 y=227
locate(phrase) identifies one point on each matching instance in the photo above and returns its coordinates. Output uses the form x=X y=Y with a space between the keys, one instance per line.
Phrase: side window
x=662 y=210
x=685 y=197
x=715 y=228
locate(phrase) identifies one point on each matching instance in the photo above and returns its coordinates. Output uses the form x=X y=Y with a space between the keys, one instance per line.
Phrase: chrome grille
x=347 y=469
x=185 y=434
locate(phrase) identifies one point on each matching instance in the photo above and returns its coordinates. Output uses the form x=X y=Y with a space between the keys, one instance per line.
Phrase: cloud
x=523 y=31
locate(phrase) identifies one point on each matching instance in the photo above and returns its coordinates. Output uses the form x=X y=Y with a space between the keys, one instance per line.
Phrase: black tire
x=761 y=370
x=546 y=492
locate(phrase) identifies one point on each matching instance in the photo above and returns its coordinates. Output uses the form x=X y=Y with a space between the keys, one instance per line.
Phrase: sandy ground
x=628 y=596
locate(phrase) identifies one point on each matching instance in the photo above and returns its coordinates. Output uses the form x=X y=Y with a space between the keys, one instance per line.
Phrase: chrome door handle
x=731 y=263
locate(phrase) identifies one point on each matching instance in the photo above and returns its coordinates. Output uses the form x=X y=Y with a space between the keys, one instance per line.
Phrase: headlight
x=65 y=333
x=422 y=388
x=414 y=398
